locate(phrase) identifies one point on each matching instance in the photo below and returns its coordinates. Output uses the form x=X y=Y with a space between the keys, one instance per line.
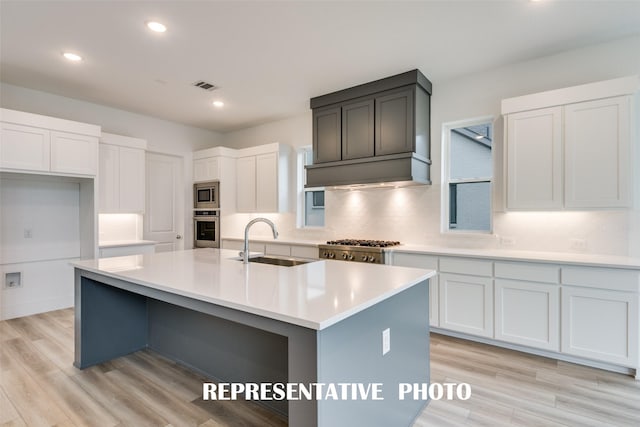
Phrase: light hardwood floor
x=40 y=387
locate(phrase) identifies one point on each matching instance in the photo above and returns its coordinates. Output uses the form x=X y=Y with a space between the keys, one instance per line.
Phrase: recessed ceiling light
x=479 y=136
x=218 y=104
x=72 y=56
x=156 y=26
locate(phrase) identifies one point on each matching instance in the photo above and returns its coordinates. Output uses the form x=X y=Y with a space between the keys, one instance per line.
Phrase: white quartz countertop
x=590 y=260
x=314 y=295
x=119 y=243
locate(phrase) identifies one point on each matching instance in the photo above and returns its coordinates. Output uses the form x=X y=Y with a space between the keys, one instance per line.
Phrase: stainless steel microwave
x=206 y=195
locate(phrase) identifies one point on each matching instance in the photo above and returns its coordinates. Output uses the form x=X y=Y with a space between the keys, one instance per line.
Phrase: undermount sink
x=281 y=261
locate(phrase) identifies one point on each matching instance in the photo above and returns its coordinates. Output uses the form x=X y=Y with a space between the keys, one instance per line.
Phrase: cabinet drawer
x=304 y=252
x=475 y=267
x=530 y=272
x=415 y=260
x=603 y=278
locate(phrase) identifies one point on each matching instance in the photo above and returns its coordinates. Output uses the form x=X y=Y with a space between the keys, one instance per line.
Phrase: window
x=467 y=176
x=311 y=204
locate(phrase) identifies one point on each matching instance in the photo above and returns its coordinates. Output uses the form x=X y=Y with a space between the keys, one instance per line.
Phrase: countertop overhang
x=314 y=295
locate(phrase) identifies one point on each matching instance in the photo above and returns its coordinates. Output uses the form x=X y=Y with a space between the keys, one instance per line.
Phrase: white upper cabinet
x=570 y=148
x=218 y=164
x=34 y=143
x=207 y=169
x=121 y=174
x=267 y=182
x=72 y=153
x=24 y=147
x=261 y=179
x=246 y=183
x=598 y=153
x=534 y=163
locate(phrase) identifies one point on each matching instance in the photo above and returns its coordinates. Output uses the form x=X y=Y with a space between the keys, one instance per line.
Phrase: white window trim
x=301 y=180
x=446 y=169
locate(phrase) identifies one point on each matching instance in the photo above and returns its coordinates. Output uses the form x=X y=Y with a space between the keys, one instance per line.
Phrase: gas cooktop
x=356 y=250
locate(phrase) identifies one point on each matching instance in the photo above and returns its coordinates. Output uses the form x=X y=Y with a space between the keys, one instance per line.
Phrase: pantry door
x=164 y=217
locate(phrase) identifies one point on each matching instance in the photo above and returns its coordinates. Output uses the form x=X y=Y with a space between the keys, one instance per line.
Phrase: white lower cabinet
x=303 y=251
x=528 y=313
x=466 y=304
x=277 y=249
x=600 y=324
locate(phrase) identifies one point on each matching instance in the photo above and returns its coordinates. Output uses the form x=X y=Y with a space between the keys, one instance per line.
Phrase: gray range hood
x=374 y=134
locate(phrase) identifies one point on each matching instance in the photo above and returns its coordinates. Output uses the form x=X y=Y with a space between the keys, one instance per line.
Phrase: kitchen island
x=315 y=323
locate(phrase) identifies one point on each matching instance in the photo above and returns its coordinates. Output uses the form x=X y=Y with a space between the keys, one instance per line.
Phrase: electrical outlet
x=386 y=341
x=28 y=233
x=578 y=244
x=507 y=241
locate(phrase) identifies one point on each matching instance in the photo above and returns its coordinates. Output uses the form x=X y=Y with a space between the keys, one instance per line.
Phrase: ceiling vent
x=209 y=87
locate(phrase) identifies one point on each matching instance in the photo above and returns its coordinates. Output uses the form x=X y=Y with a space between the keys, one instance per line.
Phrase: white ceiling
x=269 y=57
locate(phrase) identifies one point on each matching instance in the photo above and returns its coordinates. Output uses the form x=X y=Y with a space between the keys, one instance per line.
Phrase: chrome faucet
x=245 y=252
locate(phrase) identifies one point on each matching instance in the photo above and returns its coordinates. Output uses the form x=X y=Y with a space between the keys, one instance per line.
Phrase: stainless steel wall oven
x=206 y=227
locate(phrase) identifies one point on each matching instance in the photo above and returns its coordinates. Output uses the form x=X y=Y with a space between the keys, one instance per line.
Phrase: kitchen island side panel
x=109 y=322
x=351 y=352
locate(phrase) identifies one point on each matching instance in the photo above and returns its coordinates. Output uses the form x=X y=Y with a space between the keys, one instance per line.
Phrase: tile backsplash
x=412 y=216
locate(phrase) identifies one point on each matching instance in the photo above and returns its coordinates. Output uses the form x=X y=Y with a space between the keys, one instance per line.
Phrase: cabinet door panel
x=597 y=150
x=266 y=182
x=108 y=179
x=72 y=153
x=206 y=169
x=527 y=313
x=357 y=130
x=600 y=325
x=327 y=132
x=466 y=304
x=132 y=180
x=534 y=159
x=394 y=122
x=24 y=147
x=246 y=182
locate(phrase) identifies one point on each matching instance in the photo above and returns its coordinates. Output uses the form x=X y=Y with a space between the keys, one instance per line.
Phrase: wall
x=40 y=234
x=412 y=215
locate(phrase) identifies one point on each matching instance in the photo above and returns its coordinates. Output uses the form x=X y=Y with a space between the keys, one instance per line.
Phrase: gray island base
x=114 y=317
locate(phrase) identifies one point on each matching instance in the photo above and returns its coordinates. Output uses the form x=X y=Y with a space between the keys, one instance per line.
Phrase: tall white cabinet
x=121 y=174
x=571 y=148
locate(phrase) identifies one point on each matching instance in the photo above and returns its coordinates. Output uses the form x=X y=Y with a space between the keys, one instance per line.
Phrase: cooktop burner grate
x=366 y=243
